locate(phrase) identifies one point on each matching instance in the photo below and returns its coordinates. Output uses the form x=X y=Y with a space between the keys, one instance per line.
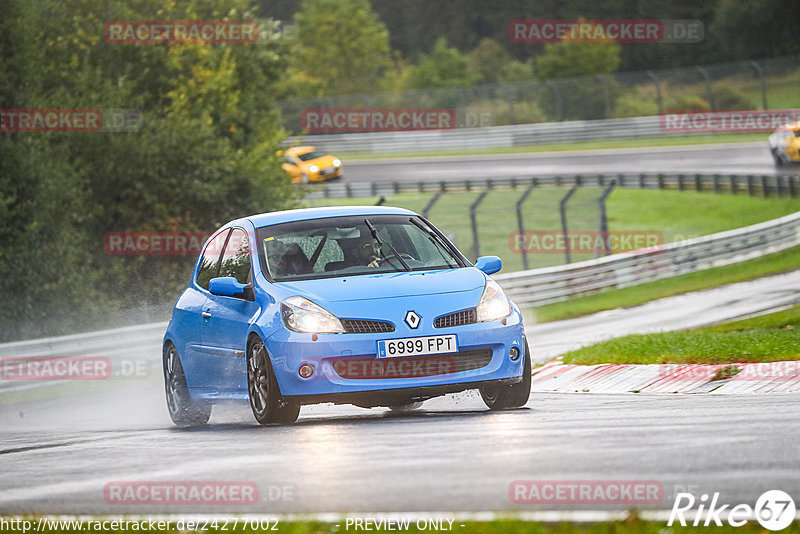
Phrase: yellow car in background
x=784 y=144
x=305 y=164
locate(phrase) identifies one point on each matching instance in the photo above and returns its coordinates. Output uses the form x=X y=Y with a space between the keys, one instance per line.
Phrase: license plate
x=417 y=346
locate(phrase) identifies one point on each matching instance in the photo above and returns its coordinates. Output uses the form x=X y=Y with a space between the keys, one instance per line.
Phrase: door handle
x=206 y=314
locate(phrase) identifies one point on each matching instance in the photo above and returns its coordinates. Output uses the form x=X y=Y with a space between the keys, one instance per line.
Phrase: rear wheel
x=182 y=409
x=405 y=407
x=509 y=396
x=265 y=396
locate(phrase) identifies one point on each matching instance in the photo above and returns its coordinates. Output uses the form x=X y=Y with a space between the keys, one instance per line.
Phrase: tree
x=205 y=154
x=445 y=66
x=342 y=47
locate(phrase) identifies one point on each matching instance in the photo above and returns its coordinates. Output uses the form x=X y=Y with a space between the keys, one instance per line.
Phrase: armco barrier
x=552 y=284
x=490 y=136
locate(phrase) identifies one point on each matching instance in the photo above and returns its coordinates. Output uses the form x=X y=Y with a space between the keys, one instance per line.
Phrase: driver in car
x=361 y=251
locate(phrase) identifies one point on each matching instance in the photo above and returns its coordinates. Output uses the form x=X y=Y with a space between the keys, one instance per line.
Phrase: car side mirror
x=228 y=286
x=489 y=264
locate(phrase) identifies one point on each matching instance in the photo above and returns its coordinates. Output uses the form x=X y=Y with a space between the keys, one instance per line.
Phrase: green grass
x=778 y=262
x=768 y=338
x=676 y=215
x=580 y=145
x=506 y=526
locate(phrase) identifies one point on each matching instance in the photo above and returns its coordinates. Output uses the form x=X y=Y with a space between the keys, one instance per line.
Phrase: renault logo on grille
x=412 y=319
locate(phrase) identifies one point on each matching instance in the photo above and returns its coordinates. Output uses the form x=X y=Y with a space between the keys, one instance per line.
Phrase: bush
x=635 y=106
x=686 y=103
x=726 y=98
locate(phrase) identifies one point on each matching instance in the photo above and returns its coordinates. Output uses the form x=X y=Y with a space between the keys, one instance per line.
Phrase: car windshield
x=353 y=245
x=314 y=154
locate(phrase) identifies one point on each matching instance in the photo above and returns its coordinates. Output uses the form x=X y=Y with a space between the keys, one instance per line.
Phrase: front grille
x=362 y=326
x=412 y=366
x=456 y=319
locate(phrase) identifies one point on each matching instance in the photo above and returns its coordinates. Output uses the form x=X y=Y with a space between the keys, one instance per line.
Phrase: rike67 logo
x=774 y=510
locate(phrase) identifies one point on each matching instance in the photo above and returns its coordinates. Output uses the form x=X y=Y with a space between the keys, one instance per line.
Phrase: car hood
x=388 y=285
x=322 y=162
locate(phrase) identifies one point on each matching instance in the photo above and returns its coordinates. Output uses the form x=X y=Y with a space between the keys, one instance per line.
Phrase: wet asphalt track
x=58 y=453
x=742 y=158
x=59 y=446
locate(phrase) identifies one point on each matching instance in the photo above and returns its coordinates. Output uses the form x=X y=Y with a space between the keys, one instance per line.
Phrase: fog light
x=513 y=353
x=306 y=370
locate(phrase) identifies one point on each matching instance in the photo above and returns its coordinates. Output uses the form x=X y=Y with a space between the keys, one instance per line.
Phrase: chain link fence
x=763 y=84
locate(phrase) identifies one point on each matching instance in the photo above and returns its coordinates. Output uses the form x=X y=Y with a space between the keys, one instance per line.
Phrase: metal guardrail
x=552 y=284
x=101 y=342
x=490 y=136
x=753 y=184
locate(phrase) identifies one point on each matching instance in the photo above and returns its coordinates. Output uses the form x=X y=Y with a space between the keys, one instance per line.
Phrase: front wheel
x=779 y=162
x=511 y=395
x=182 y=409
x=265 y=397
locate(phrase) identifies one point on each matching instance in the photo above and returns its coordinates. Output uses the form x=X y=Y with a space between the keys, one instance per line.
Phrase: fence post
x=709 y=93
x=734 y=188
x=476 y=246
x=431 y=202
x=680 y=182
x=562 y=207
x=762 y=83
x=606 y=95
x=601 y=202
x=793 y=186
x=716 y=183
x=750 y=187
x=521 y=226
x=556 y=98
x=659 y=99
x=698 y=184
x=764 y=189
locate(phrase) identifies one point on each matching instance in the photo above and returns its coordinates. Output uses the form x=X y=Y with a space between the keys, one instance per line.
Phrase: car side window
x=236 y=258
x=209 y=264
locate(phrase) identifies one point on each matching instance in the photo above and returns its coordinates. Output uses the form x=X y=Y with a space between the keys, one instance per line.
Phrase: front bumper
x=330 y=355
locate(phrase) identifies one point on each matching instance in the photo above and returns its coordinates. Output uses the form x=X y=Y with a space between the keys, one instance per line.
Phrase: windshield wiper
x=435 y=240
x=380 y=241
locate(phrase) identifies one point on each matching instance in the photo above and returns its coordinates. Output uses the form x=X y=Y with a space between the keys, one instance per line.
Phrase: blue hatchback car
x=371 y=306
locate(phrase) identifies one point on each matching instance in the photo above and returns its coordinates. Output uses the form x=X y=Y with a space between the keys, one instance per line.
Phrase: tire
x=510 y=396
x=778 y=160
x=405 y=407
x=183 y=411
x=268 y=406
x=304 y=178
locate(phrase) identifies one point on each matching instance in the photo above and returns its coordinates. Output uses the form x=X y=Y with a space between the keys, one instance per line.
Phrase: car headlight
x=313 y=168
x=494 y=303
x=302 y=315
x=336 y=162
